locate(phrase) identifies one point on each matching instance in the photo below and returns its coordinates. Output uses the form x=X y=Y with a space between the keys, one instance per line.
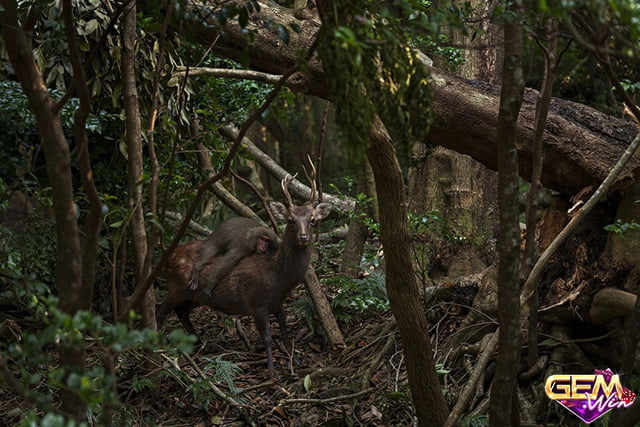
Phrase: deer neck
x=293 y=260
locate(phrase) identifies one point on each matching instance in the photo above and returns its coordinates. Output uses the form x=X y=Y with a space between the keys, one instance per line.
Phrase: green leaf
x=89 y=27
x=307 y=383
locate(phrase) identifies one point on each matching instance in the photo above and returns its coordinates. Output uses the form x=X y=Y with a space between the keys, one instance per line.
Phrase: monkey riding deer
x=258 y=283
x=231 y=241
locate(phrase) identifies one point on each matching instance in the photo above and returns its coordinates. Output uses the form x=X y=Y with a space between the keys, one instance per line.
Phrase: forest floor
x=223 y=383
x=365 y=384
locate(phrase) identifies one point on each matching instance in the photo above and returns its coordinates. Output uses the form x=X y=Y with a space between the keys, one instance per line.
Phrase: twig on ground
x=243 y=335
x=373 y=366
x=322 y=372
x=328 y=400
x=266 y=384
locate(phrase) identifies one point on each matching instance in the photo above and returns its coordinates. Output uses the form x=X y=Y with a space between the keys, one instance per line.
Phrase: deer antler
x=311 y=179
x=285 y=184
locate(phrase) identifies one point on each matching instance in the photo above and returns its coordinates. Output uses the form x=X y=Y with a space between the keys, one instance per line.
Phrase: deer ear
x=279 y=210
x=323 y=210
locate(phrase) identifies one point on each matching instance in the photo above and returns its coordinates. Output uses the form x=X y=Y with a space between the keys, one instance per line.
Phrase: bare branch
x=274 y=224
x=228 y=73
x=299 y=190
x=93 y=221
x=542 y=111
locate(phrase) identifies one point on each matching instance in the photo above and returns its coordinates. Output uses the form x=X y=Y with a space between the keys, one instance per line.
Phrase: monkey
x=230 y=242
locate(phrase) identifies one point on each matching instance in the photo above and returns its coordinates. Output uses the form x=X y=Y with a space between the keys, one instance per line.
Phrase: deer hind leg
x=262 y=324
x=183 y=311
x=163 y=312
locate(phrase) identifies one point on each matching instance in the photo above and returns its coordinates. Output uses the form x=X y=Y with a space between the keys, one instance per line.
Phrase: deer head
x=300 y=219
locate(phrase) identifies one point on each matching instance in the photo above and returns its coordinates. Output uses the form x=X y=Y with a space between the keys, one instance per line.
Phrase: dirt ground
x=365 y=384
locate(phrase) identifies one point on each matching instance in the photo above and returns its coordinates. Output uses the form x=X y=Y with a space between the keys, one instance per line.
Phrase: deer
x=258 y=283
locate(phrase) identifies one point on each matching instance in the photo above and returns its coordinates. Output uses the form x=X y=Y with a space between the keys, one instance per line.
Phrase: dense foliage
x=370 y=57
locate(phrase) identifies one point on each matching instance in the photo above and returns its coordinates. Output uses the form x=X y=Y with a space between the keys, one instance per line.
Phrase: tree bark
x=323 y=309
x=460 y=188
x=135 y=163
x=402 y=287
x=503 y=409
x=581 y=144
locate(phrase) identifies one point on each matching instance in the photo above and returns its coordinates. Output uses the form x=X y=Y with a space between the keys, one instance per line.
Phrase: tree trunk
x=460 y=188
x=135 y=163
x=402 y=287
x=503 y=409
x=358 y=231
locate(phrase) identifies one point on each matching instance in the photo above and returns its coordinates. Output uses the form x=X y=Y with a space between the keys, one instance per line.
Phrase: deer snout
x=303 y=238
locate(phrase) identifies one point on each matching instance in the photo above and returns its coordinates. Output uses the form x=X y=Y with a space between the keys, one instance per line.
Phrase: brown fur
x=230 y=242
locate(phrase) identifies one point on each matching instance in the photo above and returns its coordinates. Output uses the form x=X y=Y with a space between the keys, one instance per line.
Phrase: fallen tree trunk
x=581 y=144
x=611 y=303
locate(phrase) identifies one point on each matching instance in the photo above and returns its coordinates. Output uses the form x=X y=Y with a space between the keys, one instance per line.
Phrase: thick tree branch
x=401 y=283
x=227 y=72
x=92 y=225
x=581 y=144
x=135 y=162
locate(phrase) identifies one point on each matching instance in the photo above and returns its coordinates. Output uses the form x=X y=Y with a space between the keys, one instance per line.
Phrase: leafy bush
x=358 y=295
x=20 y=138
x=33 y=361
x=428 y=230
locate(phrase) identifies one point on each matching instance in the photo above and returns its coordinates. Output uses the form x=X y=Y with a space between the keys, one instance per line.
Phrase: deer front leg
x=262 y=323
x=284 y=331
